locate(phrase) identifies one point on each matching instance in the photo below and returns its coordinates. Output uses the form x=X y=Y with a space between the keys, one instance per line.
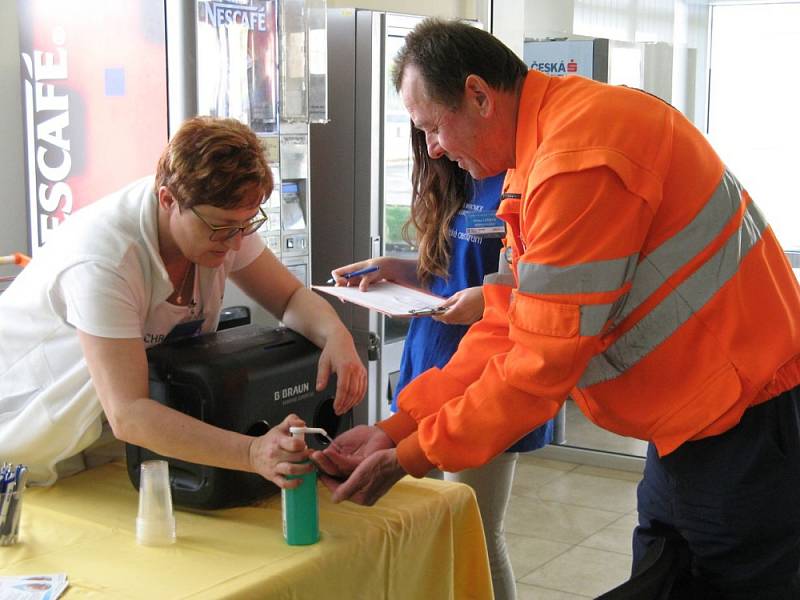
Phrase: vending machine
x=262 y=62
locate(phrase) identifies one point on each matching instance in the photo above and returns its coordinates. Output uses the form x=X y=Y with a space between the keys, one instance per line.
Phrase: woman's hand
x=277 y=454
x=463 y=308
x=390 y=268
x=339 y=356
x=362 y=281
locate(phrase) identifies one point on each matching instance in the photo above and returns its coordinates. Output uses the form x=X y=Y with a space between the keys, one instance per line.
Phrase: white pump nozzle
x=299 y=432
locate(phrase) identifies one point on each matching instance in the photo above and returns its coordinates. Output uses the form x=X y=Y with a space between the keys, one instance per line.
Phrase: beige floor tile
x=617 y=495
x=614 y=538
x=531 y=473
x=610 y=473
x=554 y=521
x=532 y=592
x=528 y=553
x=582 y=571
x=532 y=458
x=569 y=527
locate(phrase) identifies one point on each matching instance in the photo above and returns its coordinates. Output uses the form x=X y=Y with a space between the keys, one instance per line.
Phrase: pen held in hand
x=356 y=273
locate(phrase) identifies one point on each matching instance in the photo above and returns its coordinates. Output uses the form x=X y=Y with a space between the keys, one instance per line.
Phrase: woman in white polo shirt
x=118 y=277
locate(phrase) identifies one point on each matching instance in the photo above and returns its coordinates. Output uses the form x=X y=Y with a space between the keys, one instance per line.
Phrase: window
x=753 y=115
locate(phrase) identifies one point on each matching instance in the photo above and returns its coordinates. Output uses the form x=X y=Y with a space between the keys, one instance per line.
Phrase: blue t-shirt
x=430 y=343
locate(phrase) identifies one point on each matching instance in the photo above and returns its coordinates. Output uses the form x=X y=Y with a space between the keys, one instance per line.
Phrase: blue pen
x=356 y=273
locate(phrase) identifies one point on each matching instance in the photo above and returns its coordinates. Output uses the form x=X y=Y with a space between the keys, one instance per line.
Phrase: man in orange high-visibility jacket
x=640 y=279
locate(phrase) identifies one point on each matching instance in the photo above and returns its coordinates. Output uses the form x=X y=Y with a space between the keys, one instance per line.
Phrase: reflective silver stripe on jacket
x=586 y=278
x=678 y=306
x=499 y=279
x=675 y=252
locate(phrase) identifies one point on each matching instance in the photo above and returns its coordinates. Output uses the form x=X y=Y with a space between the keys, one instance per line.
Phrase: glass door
x=397 y=164
x=395 y=192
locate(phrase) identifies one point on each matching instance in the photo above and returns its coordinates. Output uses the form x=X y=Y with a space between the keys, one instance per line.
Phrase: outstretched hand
x=371 y=479
x=365 y=459
x=350 y=448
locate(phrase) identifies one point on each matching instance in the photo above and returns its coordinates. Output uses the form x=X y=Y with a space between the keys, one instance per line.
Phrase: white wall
x=462 y=9
x=548 y=18
x=13 y=229
x=507 y=25
x=657 y=72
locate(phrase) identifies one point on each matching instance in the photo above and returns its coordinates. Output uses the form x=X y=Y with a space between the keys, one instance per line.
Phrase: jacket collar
x=527 y=137
x=530 y=103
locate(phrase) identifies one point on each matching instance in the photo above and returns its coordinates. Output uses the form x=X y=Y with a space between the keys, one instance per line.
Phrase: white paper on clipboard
x=391 y=299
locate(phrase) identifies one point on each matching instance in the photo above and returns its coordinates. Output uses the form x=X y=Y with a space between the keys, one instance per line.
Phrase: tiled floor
x=569 y=528
x=582 y=433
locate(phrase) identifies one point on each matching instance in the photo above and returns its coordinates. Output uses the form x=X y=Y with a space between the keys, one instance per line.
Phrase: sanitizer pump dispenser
x=300 y=505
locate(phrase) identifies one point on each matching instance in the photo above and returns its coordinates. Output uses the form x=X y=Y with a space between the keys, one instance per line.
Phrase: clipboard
x=389 y=298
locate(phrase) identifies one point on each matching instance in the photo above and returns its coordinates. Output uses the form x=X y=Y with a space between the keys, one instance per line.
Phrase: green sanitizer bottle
x=300 y=505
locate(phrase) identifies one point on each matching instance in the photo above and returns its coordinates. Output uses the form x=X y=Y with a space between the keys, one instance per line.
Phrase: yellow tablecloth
x=422 y=541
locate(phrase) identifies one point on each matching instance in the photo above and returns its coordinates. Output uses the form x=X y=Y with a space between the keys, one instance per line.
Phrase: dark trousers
x=735 y=500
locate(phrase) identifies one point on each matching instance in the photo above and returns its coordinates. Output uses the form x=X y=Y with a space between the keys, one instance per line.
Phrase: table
x=423 y=540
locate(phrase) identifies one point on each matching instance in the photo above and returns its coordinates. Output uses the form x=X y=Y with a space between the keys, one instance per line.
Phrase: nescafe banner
x=94 y=95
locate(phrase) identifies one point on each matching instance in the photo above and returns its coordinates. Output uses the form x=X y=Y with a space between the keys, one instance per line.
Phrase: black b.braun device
x=244 y=379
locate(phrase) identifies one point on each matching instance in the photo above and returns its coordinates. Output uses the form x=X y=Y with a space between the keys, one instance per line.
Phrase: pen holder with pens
x=9 y=526
x=12 y=488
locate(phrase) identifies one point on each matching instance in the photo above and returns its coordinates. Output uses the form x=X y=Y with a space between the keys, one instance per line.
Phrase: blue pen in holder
x=12 y=488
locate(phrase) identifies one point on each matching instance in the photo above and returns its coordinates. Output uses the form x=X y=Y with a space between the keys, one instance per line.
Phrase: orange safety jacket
x=643 y=282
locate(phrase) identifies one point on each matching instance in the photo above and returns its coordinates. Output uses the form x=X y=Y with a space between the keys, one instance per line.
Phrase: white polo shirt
x=100 y=272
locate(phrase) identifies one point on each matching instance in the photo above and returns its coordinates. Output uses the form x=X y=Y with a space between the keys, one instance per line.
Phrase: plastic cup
x=155 y=524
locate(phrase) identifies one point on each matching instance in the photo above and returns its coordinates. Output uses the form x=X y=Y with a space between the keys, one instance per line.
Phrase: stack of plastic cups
x=155 y=524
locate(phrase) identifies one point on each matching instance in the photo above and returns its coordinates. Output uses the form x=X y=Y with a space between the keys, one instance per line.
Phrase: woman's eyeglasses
x=223 y=233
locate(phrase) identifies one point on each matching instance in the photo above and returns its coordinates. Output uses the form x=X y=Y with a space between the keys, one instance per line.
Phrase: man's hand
x=372 y=478
x=349 y=449
x=339 y=356
x=366 y=456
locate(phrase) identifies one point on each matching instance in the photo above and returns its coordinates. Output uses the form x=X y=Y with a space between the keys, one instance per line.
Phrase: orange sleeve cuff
x=412 y=458
x=399 y=426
